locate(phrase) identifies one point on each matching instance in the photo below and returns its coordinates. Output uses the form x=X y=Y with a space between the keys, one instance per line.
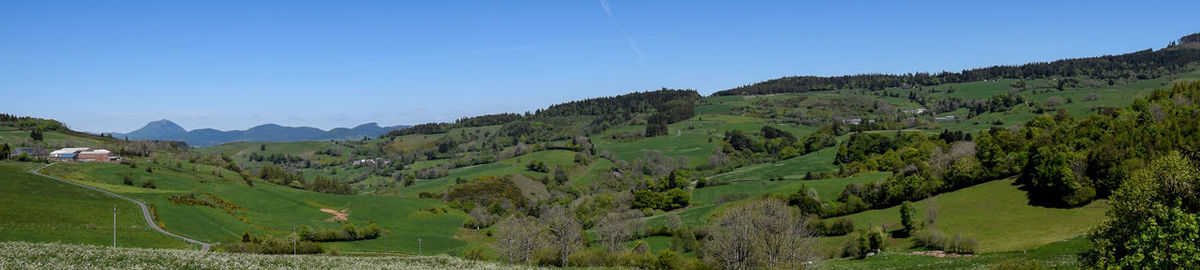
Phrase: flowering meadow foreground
x=23 y=255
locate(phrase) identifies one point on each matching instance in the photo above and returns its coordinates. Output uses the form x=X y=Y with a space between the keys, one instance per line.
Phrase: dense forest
x=1141 y=64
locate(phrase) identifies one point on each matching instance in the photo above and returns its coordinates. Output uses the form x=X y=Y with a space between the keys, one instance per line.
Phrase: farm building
x=83 y=154
x=35 y=152
x=97 y=155
x=945 y=118
x=67 y=153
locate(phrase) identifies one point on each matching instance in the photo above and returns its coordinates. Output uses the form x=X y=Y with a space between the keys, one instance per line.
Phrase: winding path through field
x=145 y=210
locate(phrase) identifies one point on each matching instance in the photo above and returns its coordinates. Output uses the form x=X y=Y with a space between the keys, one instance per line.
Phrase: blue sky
x=115 y=65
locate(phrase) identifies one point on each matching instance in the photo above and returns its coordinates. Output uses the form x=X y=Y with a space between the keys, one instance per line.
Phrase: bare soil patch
x=337 y=215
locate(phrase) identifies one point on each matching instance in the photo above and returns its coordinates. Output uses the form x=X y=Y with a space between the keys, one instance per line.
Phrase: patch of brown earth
x=337 y=215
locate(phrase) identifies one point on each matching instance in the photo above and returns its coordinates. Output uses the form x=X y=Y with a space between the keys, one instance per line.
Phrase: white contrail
x=632 y=44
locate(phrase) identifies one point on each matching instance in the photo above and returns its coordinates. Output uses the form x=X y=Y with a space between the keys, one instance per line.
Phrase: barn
x=66 y=153
x=97 y=155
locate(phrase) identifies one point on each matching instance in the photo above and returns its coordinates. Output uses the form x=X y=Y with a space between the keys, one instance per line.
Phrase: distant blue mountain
x=169 y=131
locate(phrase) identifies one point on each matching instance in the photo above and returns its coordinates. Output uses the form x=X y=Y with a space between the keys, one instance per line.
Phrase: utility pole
x=385 y=237
x=114 y=225
x=419 y=252
x=294 y=236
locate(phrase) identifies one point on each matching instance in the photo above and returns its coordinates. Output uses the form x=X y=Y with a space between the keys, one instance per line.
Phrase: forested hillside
x=1142 y=64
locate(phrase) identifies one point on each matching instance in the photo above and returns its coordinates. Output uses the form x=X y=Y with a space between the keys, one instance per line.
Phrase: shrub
x=270 y=245
x=348 y=233
x=329 y=185
x=962 y=244
x=587 y=257
x=475 y=253
x=935 y=239
x=841 y=226
x=537 y=166
x=867 y=241
x=1054 y=101
x=908 y=217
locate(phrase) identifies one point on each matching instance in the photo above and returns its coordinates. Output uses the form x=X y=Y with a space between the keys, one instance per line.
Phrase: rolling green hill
x=669 y=164
x=43 y=210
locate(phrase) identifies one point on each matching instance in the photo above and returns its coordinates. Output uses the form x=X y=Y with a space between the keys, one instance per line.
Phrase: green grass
x=15 y=138
x=515 y=165
x=40 y=209
x=998 y=215
x=273 y=209
x=656 y=243
x=694 y=139
x=1056 y=255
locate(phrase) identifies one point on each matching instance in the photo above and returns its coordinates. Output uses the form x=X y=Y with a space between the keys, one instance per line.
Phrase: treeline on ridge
x=627 y=105
x=1141 y=64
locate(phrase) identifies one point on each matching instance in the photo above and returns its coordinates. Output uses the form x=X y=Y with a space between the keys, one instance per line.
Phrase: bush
x=1054 y=101
x=348 y=233
x=935 y=239
x=587 y=257
x=475 y=253
x=867 y=241
x=329 y=185
x=270 y=245
x=537 y=166
x=841 y=226
x=908 y=217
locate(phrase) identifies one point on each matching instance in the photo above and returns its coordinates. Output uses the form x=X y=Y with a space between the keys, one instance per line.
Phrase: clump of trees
x=1154 y=221
x=537 y=166
x=667 y=193
x=271 y=245
x=279 y=176
x=764 y=233
x=738 y=148
x=865 y=243
x=329 y=185
x=349 y=232
x=935 y=239
x=670 y=112
x=488 y=191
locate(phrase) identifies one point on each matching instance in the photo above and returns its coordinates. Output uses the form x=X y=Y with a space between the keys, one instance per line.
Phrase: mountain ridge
x=170 y=131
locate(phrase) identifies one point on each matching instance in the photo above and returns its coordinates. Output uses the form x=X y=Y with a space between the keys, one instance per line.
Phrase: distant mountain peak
x=161 y=128
x=166 y=130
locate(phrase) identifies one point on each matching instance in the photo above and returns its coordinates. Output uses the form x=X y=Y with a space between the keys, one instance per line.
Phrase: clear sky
x=115 y=65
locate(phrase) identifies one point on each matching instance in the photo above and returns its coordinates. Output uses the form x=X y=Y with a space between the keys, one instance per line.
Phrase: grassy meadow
x=273 y=209
x=39 y=209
